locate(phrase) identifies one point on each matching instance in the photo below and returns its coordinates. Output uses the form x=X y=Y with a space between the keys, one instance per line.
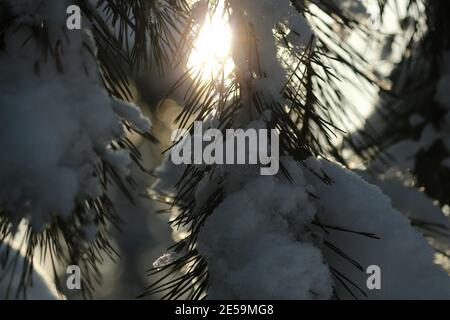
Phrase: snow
x=164 y=260
x=56 y=123
x=258 y=246
x=405 y=151
x=405 y=259
x=264 y=19
x=261 y=243
x=131 y=113
x=398 y=181
x=406 y=198
x=41 y=288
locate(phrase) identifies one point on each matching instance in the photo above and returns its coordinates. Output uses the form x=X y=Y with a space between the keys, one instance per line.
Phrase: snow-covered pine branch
x=309 y=232
x=63 y=135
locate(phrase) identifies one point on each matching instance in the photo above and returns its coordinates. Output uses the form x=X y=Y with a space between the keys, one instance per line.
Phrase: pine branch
x=125 y=39
x=301 y=119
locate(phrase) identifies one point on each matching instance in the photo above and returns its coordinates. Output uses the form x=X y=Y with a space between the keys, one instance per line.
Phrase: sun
x=211 y=54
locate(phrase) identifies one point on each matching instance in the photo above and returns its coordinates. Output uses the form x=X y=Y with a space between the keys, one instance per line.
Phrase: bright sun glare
x=211 y=52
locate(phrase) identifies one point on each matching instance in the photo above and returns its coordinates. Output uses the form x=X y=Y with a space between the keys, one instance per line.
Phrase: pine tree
x=308 y=232
x=84 y=73
x=201 y=193
x=408 y=129
x=411 y=110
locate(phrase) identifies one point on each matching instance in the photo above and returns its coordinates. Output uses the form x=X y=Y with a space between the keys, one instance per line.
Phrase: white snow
x=405 y=259
x=165 y=259
x=41 y=287
x=406 y=198
x=260 y=242
x=265 y=16
x=56 y=123
x=258 y=245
